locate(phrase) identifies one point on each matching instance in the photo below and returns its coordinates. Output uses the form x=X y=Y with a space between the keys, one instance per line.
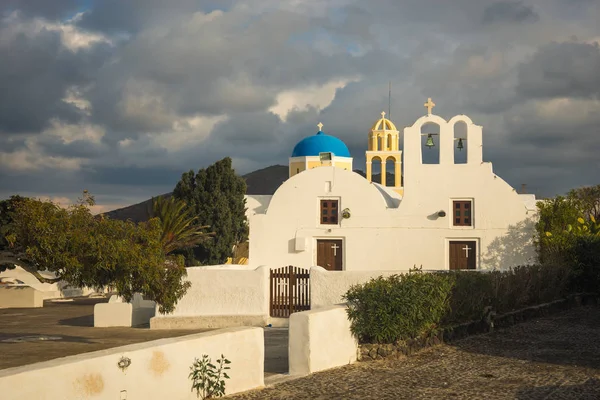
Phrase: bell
x=429 y=143
x=460 y=144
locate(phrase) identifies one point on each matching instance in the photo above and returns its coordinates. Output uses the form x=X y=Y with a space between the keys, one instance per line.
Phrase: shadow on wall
x=515 y=247
x=588 y=390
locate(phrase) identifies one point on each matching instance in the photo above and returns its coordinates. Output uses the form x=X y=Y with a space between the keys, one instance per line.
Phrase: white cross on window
x=467 y=249
x=335 y=247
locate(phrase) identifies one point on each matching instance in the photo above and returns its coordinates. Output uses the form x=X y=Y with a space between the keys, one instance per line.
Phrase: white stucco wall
x=328 y=287
x=218 y=297
x=382 y=236
x=319 y=340
x=19 y=296
x=48 y=290
x=158 y=370
x=119 y=313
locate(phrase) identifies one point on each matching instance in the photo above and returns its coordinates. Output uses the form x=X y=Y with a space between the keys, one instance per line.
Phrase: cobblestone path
x=555 y=357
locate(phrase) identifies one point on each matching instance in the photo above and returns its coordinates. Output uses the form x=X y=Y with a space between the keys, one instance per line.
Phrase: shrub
x=398 y=307
x=408 y=306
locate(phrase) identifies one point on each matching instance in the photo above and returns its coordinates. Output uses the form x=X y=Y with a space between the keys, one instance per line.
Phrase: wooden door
x=330 y=254
x=463 y=254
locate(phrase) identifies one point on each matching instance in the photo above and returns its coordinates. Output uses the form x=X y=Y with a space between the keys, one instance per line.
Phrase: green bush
x=398 y=307
x=586 y=269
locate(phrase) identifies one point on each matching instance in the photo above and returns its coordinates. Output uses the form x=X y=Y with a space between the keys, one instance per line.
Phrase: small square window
x=463 y=212
x=329 y=212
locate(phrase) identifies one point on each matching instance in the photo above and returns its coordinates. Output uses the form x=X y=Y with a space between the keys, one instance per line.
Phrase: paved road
x=276 y=351
x=73 y=323
x=556 y=357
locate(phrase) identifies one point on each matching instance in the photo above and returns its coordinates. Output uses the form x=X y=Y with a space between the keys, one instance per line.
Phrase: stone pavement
x=556 y=357
x=73 y=323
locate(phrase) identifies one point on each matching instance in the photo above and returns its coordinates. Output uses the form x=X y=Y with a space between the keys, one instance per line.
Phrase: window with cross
x=462 y=212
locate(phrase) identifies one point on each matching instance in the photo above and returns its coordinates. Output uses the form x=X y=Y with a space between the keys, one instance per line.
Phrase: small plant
x=207 y=379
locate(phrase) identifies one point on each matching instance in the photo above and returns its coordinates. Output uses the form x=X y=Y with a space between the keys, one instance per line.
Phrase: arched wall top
x=392 y=157
x=435 y=119
x=460 y=118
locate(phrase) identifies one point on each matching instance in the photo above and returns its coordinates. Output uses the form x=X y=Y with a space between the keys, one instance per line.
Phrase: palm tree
x=179 y=228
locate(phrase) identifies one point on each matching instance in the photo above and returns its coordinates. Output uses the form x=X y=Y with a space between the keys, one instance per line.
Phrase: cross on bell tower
x=429 y=106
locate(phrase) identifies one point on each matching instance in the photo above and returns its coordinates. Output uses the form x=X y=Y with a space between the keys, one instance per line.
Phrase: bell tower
x=383 y=146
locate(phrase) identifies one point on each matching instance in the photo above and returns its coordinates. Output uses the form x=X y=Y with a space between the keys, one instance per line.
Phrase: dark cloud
x=131 y=176
x=171 y=62
x=562 y=69
x=51 y=9
x=509 y=12
x=36 y=71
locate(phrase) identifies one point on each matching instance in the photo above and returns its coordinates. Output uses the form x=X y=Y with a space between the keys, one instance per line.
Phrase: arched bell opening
x=461 y=144
x=390 y=169
x=430 y=143
x=376 y=169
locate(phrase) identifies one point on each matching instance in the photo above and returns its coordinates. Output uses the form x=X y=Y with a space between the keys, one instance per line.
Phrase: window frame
x=462 y=224
x=323 y=201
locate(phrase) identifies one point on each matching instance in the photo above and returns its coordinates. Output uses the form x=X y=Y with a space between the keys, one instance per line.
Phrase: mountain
x=262 y=181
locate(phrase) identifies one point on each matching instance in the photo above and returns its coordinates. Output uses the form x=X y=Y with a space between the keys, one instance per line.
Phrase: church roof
x=320 y=143
x=383 y=124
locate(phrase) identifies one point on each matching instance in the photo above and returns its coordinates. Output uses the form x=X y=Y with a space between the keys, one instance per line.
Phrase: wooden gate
x=290 y=291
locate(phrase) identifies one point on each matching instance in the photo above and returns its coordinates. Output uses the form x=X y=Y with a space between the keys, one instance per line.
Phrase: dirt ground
x=556 y=357
x=73 y=323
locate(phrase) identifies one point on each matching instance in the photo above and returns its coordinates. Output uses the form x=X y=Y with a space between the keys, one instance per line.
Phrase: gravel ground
x=556 y=357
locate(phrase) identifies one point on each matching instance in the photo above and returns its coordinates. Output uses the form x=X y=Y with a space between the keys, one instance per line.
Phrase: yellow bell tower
x=384 y=145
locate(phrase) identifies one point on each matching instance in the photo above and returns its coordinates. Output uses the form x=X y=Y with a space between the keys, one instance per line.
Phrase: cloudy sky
x=120 y=97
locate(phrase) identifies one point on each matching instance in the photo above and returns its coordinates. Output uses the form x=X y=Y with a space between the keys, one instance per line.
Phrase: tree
x=179 y=228
x=88 y=251
x=216 y=196
x=7 y=208
x=588 y=200
x=569 y=234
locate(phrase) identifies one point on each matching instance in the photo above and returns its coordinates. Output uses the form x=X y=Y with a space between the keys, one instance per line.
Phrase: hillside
x=262 y=181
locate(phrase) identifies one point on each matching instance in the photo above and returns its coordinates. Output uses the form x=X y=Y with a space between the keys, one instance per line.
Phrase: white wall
x=48 y=290
x=382 y=236
x=119 y=313
x=218 y=297
x=319 y=340
x=18 y=296
x=158 y=370
x=328 y=287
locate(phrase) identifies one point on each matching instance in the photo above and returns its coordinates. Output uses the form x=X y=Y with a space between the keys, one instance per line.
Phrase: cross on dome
x=429 y=105
x=383 y=114
x=320 y=126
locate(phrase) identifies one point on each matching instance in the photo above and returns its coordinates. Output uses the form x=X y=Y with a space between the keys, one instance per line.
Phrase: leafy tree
x=216 y=196
x=588 y=201
x=569 y=234
x=93 y=251
x=7 y=208
x=179 y=227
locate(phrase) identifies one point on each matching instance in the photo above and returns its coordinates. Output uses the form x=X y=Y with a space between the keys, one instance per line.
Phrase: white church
x=447 y=215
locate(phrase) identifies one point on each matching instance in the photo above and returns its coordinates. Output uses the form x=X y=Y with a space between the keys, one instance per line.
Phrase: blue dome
x=320 y=143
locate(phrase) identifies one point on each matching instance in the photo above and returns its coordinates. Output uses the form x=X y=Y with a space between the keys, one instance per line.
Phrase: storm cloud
x=121 y=97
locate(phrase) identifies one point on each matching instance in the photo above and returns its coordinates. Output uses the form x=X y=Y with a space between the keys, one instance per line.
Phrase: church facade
x=442 y=215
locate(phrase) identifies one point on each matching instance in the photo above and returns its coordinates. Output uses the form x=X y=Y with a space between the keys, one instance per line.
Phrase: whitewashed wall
x=328 y=287
x=158 y=370
x=220 y=297
x=48 y=290
x=319 y=340
x=382 y=235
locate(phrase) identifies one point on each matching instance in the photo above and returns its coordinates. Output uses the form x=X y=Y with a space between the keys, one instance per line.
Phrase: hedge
x=405 y=306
